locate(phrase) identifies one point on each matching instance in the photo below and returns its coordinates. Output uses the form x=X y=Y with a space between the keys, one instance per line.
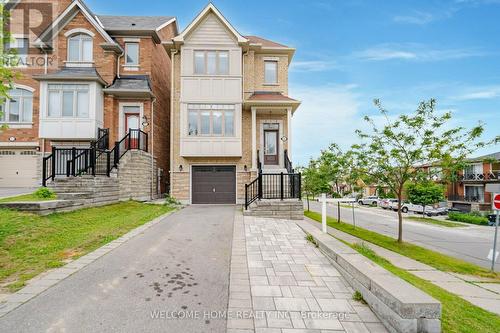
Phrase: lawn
x=31 y=244
x=429 y=220
x=26 y=197
x=437 y=260
x=458 y=315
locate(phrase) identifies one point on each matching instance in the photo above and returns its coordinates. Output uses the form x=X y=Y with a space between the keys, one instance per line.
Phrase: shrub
x=472 y=218
x=169 y=200
x=44 y=193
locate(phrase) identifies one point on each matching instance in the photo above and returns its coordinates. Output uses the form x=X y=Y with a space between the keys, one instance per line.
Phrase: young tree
x=392 y=152
x=8 y=57
x=312 y=183
x=425 y=193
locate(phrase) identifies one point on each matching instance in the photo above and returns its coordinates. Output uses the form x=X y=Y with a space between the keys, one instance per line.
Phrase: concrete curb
x=49 y=279
x=400 y=306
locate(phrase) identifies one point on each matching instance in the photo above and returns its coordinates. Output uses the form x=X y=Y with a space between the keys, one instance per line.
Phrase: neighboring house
x=84 y=78
x=468 y=193
x=231 y=114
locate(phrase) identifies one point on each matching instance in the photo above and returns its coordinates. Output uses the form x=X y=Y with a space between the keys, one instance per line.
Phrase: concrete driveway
x=178 y=267
x=12 y=191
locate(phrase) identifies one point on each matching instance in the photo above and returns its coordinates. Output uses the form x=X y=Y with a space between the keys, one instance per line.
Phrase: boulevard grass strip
x=442 y=223
x=31 y=244
x=434 y=259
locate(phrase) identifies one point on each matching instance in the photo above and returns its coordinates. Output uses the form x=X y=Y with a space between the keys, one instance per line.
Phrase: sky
x=351 y=52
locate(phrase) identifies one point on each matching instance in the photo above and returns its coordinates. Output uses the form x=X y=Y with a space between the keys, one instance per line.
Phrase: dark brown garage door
x=214 y=185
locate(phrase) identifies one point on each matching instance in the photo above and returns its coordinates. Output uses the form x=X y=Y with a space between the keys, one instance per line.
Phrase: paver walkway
x=152 y=282
x=281 y=283
x=476 y=290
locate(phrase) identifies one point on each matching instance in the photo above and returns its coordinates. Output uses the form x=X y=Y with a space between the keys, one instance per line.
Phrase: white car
x=386 y=203
x=371 y=200
x=434 y=210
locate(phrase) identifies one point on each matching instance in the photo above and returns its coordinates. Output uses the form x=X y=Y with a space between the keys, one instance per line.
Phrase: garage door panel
x=213 y=184
x=19 y=168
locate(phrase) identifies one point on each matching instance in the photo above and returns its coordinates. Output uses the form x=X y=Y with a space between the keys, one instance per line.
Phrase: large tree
x=392 y=152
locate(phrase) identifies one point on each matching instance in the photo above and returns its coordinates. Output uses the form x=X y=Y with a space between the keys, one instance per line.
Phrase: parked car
x=386 y=203
x=430 y=210
x=371 y=200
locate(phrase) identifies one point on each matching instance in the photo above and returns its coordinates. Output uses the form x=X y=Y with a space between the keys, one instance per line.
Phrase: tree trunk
x=338 y=209
x=307 y=198
x=400 y=217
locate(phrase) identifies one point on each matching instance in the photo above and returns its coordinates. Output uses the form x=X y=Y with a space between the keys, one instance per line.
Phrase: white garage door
x=18 y=168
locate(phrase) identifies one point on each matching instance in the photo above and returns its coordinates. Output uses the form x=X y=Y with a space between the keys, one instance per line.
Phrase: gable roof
x=264 y=42
x=133 y=23
x=210 y=8
x=65 y=17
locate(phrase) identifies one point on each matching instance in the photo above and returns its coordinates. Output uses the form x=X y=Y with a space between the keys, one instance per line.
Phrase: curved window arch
x=80 y=48
x=18 y=108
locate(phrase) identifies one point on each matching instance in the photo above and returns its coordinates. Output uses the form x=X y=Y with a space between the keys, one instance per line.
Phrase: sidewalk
x=475 y=290
x=288 y=284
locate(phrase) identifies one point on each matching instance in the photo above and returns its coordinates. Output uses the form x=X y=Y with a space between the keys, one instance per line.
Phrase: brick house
x=231 y=114
x=85 y=79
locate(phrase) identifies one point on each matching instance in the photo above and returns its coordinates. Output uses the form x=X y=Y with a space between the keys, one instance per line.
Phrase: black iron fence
x=274 y=186
x=91 y=161
x=466 y=198
x=288 y=163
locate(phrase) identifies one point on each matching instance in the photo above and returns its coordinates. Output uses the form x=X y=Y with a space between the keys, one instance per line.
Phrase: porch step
x=291 y=209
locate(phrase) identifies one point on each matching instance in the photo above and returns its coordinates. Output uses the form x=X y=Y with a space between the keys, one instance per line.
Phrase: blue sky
x=350 y=52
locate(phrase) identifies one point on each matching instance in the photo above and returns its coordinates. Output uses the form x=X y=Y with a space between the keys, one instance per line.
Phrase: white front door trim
x=121 y=120
x=261 y=143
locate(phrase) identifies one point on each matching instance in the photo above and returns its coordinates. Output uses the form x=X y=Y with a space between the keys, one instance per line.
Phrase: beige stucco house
x=231 y=113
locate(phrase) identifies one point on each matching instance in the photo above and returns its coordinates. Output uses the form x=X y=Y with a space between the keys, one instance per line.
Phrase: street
x=471 y=243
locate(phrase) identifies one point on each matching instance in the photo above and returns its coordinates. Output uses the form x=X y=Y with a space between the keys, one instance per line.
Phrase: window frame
x=217 y=62
x=5 y=107
x=129 y=64
x=211 y=108
x=75 y=92
x=275 y=62
x=80 y=36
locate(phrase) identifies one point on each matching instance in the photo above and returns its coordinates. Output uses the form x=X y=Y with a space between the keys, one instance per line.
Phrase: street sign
x=496 y=201
x=493 y=188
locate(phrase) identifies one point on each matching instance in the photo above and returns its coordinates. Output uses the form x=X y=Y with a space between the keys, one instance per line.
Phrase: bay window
x=211 y=62
x=210 y=120
x=18 y=108
x=80 y=48
x=68 y=100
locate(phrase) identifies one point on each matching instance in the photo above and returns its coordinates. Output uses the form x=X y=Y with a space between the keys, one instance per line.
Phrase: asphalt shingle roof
x=114 y=23
x=129 y=83
x=75 y=73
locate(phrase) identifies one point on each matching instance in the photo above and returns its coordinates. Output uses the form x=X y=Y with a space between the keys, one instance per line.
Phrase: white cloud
x=420 y=18
x=480 y=93
x=414 y=52
x=328 y=114
x=313 y=65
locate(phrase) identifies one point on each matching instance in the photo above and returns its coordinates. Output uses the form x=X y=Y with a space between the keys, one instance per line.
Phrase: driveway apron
x=176 y=269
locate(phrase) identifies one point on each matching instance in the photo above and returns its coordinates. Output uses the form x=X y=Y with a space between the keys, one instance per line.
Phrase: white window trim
x=78 y=31
x=121 y=117
x=275 y=61
x=281 y=144
x=205 y=58
x=75 y=102
x=223 y=122
x=21 y=124
x=79 y=63
x=131 y=66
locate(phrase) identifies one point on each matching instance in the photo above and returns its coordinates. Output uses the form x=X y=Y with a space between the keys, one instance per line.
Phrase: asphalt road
x=470 y=243
x=177 y=266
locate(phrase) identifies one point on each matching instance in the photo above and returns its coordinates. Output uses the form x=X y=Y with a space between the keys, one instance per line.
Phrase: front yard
x=31 y=244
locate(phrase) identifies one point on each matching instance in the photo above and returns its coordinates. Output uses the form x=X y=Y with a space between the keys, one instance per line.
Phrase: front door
x=132 y=122
x=271 y=144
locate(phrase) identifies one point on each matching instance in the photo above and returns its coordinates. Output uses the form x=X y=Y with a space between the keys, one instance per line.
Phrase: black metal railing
x=102 y=142
x=274 y=186
x=466 y=198
x=91 y=161
x=288 y=163
x=259 y=163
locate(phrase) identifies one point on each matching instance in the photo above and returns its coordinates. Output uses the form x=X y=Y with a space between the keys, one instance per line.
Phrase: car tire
x=404 y=209
x=374 y=203
x=360 y=202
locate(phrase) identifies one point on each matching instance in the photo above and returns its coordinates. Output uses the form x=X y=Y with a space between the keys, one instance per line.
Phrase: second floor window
x=211 y=62
x=80 y=48
x=18 y=108
x=68 y=100
x=132 y=54
x=210 y=120
x=270 y=72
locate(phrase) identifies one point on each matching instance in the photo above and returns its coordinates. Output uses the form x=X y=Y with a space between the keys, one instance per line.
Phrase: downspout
x=118 y=64
x=153 y=180
x=172 y=95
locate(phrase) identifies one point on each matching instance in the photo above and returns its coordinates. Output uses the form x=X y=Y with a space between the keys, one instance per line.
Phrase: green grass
x=434 y=259
x=26 y=197
x=467 y=218
x=429 y=220
x=31 y=244
x=458 y=315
